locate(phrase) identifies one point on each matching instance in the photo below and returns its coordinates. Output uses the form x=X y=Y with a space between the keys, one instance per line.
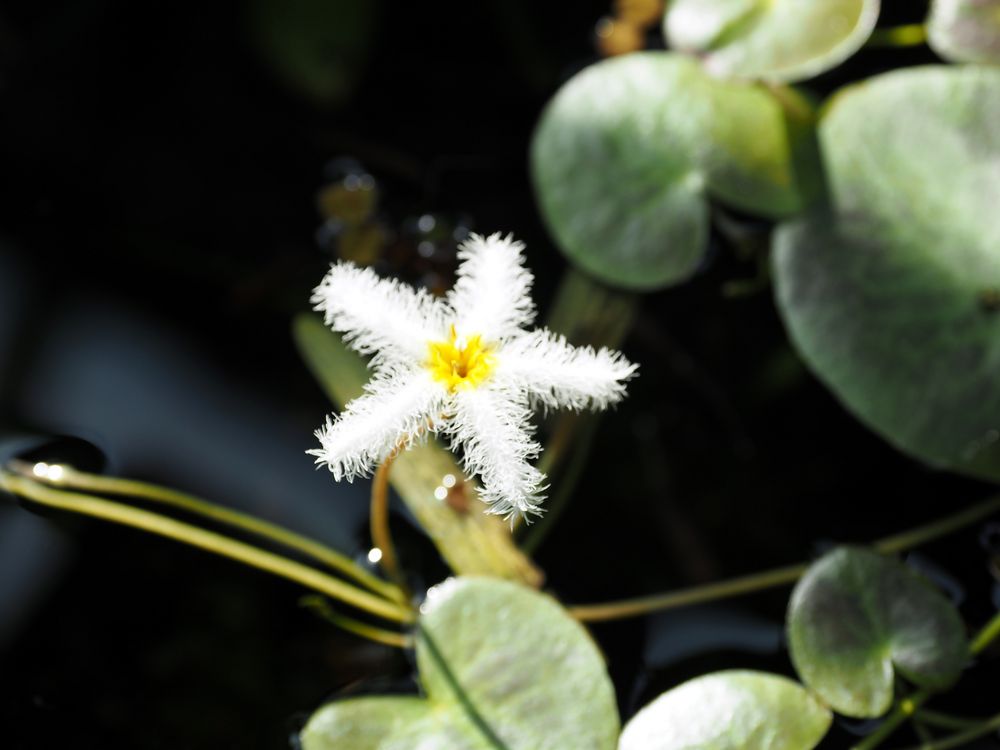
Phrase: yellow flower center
x=460 y=363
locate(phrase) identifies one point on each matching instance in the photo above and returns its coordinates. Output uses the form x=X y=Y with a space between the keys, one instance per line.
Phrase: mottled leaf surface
x=893 y=298
x=731 y=710
x=629 y=151
x=965 y=30
x=856 y=619
x=503 y=667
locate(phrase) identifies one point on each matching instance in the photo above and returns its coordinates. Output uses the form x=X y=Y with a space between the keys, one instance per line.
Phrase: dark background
x=159 y=170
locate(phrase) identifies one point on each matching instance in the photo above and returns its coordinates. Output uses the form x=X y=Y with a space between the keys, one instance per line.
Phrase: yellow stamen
x=460 y=363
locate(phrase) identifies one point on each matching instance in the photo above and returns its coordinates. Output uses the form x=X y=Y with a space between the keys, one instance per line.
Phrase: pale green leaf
x=775 y=40
x=893 y=299
x=630 y=150
x=731 y=710
x=504 y=668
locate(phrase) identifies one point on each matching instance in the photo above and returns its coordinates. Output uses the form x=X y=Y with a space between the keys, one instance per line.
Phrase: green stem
x=778 y=576
x=906 y=708
x=321 y=606
x=986 y=636
x=74 y=479
x=536 y=533
x=946 y=721
x=587 y=313
x=920 y=729
x=206 y=540
x=929 y=532
x=960 y=738
x=909 y=35
x=685 y=597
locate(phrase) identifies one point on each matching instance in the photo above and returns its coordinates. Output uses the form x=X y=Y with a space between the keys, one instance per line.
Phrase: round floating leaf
x=504 y=668
x=894 y=298
x=777 y=40
x=733 y=710
x=965 y=30
x=855 y=618
x=383 y=723
x=629 y=150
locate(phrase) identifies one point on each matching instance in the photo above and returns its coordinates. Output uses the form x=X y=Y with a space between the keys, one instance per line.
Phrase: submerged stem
x=778 y=576
x=960 y=738
x=72 y=478
x=946 y=721
x=210 y=541
x=906 y=708
x=535 y=535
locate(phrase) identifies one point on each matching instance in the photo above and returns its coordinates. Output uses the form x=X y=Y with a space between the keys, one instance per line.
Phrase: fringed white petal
x=557 y=375
x=399 y=407
x=487 y=410
x=492 y=427
x=492 y=294
x=379 y=316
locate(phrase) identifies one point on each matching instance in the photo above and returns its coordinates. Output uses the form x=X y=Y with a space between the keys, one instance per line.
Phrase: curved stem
x=909 y=35
x=72 y=478
x=920 y=729
x=986 y=636
x=946 y=721
x=960 y=738
x=906 y=708
x=535 y=535
x=196 y=537
x=560 y=442
x=935 y=529
x=686 y=597
x=321 y=607
x=778 y=576
x=379 y=521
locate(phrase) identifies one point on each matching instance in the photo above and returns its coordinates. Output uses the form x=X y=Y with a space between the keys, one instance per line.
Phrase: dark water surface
x=158 y=232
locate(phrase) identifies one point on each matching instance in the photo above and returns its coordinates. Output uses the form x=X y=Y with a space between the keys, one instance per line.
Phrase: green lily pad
x=893 y=299
x=732 y=710
x=629 y=151
x=775 y=40
x=856 y=619
x=965 y=30
x=384 y=723
x=503 y=667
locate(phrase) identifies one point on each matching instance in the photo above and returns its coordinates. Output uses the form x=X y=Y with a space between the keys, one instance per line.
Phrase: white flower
x=463 y=366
